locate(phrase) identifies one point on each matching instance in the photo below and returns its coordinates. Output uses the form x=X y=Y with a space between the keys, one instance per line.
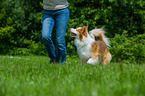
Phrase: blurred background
x=123 y=21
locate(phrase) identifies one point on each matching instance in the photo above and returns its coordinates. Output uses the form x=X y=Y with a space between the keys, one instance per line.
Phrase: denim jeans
x=59 y=19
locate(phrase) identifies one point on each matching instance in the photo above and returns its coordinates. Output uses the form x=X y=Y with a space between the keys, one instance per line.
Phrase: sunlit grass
x=34 y=76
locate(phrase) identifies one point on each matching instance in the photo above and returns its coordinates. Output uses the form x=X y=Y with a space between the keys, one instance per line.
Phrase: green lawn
x=34 y=76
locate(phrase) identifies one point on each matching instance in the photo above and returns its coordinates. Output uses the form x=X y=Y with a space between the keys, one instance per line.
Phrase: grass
x=34 y=76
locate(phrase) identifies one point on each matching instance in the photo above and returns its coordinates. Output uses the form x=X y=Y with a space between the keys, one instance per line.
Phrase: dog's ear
x=85 y=32
x=86 y=28
x=83 y=29
x=80 y=32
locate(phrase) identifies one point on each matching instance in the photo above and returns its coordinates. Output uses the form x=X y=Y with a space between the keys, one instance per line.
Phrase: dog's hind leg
x=93 y=61
x=107 y=59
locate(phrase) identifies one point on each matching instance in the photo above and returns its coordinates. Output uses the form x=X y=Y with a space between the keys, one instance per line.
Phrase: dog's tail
x=99 y=34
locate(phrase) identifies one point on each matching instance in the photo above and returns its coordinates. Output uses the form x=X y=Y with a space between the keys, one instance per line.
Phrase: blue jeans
x=59 y=18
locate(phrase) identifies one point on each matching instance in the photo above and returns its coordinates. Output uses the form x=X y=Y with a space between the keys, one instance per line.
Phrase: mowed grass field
x=34 y=76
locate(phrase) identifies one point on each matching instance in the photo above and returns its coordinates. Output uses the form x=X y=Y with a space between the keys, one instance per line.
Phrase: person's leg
x=62 y=17
x=47 y=27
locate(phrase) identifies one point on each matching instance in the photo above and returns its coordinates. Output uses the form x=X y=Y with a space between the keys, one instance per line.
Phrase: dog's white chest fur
x=84 y=47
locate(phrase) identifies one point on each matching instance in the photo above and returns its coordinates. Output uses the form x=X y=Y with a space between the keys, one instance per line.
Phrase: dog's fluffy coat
x=92 y=49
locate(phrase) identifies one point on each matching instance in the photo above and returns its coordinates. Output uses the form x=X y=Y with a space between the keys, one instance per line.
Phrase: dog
x=92 y=46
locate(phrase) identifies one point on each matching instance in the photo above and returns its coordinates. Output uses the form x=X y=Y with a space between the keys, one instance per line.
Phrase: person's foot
x=64 y=62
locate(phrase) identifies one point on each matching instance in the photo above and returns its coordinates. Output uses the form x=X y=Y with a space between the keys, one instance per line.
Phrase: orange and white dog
x=92 y=49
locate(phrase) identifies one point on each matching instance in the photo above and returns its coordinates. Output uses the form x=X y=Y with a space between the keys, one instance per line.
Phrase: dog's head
x=81 y=32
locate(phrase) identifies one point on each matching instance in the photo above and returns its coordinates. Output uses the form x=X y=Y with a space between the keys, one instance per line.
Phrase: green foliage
x=32 y=49
x=37 y=48
x=128 y=48
x=34 y=76
x=114 y=15
x=19 y=51
x=6 y=32
x=6 y=39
